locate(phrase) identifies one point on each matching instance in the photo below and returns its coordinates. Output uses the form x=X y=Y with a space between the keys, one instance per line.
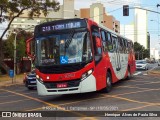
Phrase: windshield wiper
x=69 y=40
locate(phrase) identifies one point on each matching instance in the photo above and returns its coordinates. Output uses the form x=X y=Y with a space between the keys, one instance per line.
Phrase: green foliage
x=8 y=47
x=10 y=9
x=140 y=51
x=146 y=53
x=21 y=49
x=138 y=47
x=13 y=8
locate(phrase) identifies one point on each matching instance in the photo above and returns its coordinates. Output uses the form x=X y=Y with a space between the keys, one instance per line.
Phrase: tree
x=8 y=47
x=140 y=51
x=146 y=53
x=11 y=9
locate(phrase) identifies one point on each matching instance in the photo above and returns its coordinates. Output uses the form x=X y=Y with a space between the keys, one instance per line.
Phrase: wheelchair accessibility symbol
x=63 y=59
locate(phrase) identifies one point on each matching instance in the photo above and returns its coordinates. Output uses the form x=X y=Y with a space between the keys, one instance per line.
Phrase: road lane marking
x=13 y=101
x=137 y=92
x=15 y=95
x=134 y=101
x=138 y=80
x=68 y=103
x=130 y=109
x=130 y=87
x=137 y=73
x=148 y=83
x=145 y=74
x=46 y=103
x=145 y=89
x=87 y=118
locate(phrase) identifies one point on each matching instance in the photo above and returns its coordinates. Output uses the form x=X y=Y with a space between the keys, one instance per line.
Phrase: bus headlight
x=37 y=76
x=39 y=79
x=86 y=74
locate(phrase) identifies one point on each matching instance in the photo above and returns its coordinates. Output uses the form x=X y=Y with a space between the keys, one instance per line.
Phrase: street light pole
x=15 y=55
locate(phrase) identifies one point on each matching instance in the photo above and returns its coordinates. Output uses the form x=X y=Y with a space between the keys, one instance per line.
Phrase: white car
x=141 y=64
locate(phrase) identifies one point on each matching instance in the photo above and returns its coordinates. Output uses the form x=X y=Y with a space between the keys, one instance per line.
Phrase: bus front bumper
x=86 y=85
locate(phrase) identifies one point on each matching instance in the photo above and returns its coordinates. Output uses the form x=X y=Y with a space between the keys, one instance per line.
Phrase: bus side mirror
x=98 y=42
x=28 y=48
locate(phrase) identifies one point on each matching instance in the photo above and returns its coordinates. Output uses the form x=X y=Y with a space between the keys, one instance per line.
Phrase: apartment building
x=97 y=13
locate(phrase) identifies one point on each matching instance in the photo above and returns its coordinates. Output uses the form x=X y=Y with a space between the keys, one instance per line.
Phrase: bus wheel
x=108 y=82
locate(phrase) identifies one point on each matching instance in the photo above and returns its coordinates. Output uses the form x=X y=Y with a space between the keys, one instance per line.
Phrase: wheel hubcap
x=108 y=81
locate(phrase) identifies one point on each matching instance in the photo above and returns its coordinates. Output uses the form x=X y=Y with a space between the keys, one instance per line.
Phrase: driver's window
x=97 y=50
x=87 y=52
x=95 y=33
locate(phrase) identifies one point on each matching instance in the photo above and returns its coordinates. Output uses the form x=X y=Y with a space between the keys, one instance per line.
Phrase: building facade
x=154 y=53
x=97 y=13
x=128 y=31
x=138 y=30
x=141 y=27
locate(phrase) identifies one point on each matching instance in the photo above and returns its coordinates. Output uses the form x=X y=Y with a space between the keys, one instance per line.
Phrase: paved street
x=141 y=93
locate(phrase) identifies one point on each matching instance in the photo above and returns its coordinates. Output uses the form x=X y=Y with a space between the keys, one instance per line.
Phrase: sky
x=114 y=7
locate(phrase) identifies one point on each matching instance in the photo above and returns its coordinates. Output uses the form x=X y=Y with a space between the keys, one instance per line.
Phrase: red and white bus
x=78 y=56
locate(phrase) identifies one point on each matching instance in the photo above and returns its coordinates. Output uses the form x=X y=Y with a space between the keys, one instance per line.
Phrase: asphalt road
x=140 y=93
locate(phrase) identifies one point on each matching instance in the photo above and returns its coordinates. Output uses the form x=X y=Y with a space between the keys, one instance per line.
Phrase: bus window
x=120 y=45
x=87 y=52
x=109 y=42
x=104 y=41
x=124 y=46
x=114 y=39
x=95 y=33
x=97 y=50
x=129 y=46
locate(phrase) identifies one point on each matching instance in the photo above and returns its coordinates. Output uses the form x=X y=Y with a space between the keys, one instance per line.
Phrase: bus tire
x=108 y=83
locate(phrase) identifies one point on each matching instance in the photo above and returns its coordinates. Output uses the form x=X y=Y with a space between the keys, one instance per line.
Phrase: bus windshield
x=63 y=48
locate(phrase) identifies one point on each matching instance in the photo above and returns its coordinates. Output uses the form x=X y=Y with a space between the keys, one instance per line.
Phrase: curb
x=9 y=83
x=154 y=73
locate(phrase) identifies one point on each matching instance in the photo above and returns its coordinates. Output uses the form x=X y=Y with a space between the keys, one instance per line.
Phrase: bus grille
x=71 y=83
x=58 y=69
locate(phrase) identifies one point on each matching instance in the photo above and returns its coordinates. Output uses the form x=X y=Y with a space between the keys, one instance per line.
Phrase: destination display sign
x=62 y=25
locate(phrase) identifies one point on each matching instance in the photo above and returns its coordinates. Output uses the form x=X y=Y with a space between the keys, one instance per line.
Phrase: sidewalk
x=5 y=80
x=155 y=72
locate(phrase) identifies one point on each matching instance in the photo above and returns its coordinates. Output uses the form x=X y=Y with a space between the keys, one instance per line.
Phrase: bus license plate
x=62 y=85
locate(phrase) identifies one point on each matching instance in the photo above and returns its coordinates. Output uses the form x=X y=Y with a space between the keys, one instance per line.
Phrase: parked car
x=30 y=80
x=141 y=64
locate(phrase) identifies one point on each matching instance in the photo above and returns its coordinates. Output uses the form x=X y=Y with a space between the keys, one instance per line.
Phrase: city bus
x=79 y=56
